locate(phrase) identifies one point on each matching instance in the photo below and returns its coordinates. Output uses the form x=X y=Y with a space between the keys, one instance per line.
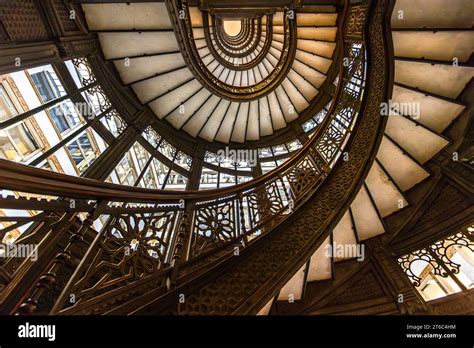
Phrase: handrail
x=184 y=34
x=19 y=177
x=186 y=226
x=245 y=43
x=262 y=268
x=244 y=66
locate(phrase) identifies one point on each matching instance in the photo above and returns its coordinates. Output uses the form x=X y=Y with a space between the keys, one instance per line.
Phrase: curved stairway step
x=440 y=45
x=435 y=113
x=141 y=68
x=417 y=140
x=405 y=171
x=432 y=14
x=127 y=16
x=386 y=196
x=137 y=43
x=344 y=235
x=445 y=80
x=367 y=221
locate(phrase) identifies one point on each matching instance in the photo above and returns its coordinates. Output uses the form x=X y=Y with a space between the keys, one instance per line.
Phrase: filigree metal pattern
x=131 y=247
x=423 y=255
x=84 y=70
x=220 y=217
x=443 y=249
x=214 y=225
x=183 y=29
x=264 y=203
x=303 y=176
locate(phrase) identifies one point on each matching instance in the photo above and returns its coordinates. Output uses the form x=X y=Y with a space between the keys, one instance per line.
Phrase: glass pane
x=267 y=166
x=160 y=171
x=208 y=179
x=71 y=113
x=226 y=180
x=75 y=151
x=113 y=123
x=16 y=143
x=279 y=150
x=126 y=171
x=7 y=109
x=82 y=71
x=48 y=84
x=141 y=154
x=183 y=161
x=149 y=181
x=176 y=181
x=167 y=149
x=7 y=151
x=59 y=118
x=23 y=139
x=151 y=136
x=464 y=257
x=86 y=146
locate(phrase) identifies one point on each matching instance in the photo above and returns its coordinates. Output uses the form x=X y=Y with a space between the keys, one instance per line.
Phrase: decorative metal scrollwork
x=445 y=249
x=303 y=176
x=356 y=21
x=137 y=243
x=438 y=255
x=407 y=261
x=265 y=203
x=84 y=71
x=98 y=99
x=183 y=29
x=214 y=225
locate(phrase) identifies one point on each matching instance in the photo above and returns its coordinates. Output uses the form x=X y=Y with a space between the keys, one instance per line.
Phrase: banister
x=184 y=34
x=19 y=177
x=254 y=193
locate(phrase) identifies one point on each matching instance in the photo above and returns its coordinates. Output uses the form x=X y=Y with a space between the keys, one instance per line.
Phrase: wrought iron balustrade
x=147 y=238
x=184 y=31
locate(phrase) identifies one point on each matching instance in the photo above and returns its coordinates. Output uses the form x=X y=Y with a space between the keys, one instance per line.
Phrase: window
x=141 y=155
x=442 y=268
x=167 y=149
x=125 y=171
x=64 y=116
x=49 y=88
x=7 y=109
x=160 y=171
x=56 y=120
x=80 y=71
x=209 y=179
x=114 y=123
x=16 y=142
x=183 y=160
x=82 y=152
x=149 y=180
x=176 y=181
x=47 y=84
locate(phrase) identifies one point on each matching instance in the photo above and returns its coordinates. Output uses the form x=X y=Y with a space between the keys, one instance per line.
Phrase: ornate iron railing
x=212 y=40
x=149 y=238
x=184 y=32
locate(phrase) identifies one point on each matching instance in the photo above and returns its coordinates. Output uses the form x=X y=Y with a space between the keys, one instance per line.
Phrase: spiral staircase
x=422 y=73
x=211 y=74
x=148 y=57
